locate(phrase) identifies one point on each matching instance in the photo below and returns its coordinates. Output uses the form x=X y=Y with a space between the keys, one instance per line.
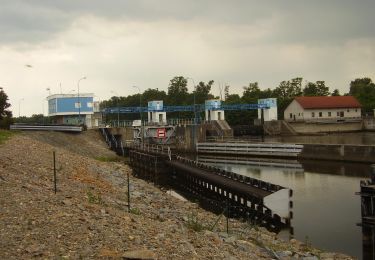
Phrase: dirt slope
x=88 y=217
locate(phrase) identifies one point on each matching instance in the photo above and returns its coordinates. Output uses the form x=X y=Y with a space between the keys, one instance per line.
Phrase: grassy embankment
x=5 y=135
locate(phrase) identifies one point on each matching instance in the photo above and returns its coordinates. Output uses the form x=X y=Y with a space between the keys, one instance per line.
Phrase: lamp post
x=118 y=108
x=79 y=102
x=140 y=110
x=19 y=107
x=195 y=114
x=195 y=117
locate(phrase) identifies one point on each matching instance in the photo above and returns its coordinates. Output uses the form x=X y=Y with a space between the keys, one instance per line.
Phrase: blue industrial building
x=71 y=109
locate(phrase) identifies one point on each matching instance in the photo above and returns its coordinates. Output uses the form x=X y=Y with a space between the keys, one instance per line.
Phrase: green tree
x=226 y=92
x=5 y=114
x=316 y=89
x=364 y=90
x=178 y=91
x=251 y=93
x=202 y=92
x=286 y=92
x=154 y=94
x=335 y=92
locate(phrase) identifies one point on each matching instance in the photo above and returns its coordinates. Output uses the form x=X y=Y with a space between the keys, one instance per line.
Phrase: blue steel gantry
x=189 y=108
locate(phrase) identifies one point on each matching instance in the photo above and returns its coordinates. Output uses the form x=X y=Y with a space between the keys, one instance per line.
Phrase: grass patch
x=94 y=198
x=5 y=135
x=135 y=211
x=108 y=159
x=194 y=223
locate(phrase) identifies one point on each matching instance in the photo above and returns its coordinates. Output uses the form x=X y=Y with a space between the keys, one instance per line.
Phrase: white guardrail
x=62 y=128
x=270 y=149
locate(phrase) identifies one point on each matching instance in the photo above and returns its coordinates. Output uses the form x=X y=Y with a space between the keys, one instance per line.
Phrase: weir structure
x=217 y=190
x=367 y=194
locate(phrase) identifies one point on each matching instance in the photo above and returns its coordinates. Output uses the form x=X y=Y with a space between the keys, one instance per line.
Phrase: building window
x=77 y=105
x=290 y=115
x=89 y=104
x=312 y=114
x=355 y=110
x=320 y=114
x=338 y=113
x=347 y=110
x=329 y=114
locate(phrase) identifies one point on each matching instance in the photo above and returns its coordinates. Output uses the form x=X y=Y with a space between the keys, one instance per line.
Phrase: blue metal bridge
x=190 y=108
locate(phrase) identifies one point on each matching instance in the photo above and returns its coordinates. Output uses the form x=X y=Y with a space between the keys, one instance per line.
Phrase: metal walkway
x=190 y=108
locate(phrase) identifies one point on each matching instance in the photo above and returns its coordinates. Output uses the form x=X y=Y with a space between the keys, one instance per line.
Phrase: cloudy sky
x=121 y=43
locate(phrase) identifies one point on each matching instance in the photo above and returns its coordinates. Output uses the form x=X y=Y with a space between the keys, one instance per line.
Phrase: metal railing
x=271 y=149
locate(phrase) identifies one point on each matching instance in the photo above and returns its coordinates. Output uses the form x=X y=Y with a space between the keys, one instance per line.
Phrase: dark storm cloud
x=297 y=21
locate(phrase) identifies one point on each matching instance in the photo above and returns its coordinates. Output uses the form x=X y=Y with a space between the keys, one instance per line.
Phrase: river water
x=361 y=138
x=326 y=210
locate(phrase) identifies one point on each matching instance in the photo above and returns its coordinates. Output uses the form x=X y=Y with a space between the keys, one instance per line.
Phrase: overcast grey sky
x=119 y=43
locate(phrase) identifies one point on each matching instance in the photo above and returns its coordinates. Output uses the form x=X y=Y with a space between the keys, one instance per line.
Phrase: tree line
x=177 y=94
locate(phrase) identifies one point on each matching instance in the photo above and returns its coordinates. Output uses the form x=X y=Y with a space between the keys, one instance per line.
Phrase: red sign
x=161 y=133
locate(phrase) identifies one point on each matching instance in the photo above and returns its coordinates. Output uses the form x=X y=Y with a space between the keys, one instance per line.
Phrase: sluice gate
x=218 y=190
x=367 y=194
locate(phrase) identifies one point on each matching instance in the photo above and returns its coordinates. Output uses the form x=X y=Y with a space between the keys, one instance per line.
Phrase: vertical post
x=262 y=122
x=54 y=171
x=128 y=192
x=228 y=212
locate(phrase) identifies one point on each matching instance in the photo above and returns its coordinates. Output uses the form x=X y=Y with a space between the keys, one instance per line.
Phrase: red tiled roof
x=328 y=102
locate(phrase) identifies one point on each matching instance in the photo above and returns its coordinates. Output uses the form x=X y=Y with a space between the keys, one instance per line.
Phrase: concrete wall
x=369 y=123
x=305 y=128
x=185 y=137
x=350 y=153
x=125 y=132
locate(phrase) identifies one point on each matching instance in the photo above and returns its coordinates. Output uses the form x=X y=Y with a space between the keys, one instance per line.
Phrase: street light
x=195 y=116
x=79 y=102
x=140 y=110
x=19 y=107
x=118 y=108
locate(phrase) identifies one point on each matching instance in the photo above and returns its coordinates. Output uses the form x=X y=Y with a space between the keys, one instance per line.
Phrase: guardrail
x=266 y=149
x=61 y=128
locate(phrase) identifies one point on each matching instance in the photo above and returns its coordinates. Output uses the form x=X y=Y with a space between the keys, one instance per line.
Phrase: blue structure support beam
x=190 y=108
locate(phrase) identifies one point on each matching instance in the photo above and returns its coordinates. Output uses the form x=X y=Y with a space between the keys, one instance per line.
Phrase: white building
x=72 y=109
x=270 y=113
x=213 y=110
x=329 y=108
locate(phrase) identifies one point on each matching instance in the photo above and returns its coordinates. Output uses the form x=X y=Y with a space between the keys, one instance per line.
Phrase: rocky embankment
x=88 y=217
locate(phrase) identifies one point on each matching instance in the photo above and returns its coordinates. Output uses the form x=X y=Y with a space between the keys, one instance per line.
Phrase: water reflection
x=326 y=210
x=364 y=138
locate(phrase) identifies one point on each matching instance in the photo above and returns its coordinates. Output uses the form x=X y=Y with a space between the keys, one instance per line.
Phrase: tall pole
x=19 y=107
x=48 y=111
x=140 y=110
x=79 y=102
x=118 y=108
x=195 y=116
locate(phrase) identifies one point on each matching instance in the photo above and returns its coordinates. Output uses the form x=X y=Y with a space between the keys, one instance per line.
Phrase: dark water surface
x=326 y=210
x=362 y=138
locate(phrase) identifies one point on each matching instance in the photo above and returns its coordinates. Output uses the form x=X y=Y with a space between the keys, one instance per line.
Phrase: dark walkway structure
x=217 y=190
